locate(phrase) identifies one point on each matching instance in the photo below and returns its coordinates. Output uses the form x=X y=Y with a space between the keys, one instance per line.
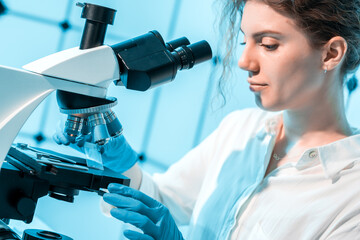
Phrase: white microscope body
x=73 y=70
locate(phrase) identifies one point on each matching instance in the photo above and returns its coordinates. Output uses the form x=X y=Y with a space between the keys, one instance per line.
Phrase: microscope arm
x=94 y=66
x=22 y=91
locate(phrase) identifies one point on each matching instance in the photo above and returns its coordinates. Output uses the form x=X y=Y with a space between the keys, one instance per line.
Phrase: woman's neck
x=317 y=126
x=321 y=122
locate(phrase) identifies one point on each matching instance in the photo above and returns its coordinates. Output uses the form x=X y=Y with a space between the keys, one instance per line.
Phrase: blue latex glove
x=145 y=213
x=117 y=154
x=62 y=139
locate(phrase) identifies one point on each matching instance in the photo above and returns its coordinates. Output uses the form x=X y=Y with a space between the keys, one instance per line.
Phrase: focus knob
x=26 y=207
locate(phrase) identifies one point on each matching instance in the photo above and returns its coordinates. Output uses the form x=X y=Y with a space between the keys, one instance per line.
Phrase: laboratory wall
x=162 y=124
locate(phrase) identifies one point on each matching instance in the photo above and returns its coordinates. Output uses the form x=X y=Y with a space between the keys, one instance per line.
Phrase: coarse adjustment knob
x=26 y=206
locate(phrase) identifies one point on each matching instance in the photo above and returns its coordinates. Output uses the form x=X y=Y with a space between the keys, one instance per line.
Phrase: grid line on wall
x=157 y=93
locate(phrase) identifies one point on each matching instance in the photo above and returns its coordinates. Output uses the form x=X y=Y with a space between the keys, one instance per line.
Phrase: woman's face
x=285 y=72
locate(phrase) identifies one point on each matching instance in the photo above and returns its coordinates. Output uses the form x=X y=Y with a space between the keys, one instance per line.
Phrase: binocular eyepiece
x=147 y=61
x=144 y=61
x=185 y=53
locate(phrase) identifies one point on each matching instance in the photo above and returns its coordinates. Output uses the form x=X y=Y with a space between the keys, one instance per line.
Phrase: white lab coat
x=219 y=189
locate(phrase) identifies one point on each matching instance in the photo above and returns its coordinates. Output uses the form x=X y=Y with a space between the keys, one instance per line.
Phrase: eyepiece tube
x=188 y=56
x=97 y=18
x=172 y=45
x=201 y=51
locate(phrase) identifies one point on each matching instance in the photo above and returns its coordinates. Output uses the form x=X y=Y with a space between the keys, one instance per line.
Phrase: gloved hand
x=140 y=210
x=62 y=139
x=117 y=154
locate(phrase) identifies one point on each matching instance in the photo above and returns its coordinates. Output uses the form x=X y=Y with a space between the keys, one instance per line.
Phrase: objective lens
x=73 y=127
x=99 y=129
x=86 y=130
x=113 y=124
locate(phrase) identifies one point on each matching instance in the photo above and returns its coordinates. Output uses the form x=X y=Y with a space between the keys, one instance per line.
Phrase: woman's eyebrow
x=266 y=33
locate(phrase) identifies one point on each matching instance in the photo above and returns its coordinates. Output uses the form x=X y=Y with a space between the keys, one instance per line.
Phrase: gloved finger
x=80 y=141
x=131 y=204
x=132 y=235
x=136 y=201
x=130 y=192
x=105 y=207
x=63 y=138
x=83 y=139
x=138 y=220
x=116 y=143
x=60 y=138
x=56 y=139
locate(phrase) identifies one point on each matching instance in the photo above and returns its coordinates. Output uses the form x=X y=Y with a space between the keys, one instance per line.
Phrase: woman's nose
x=248 y=60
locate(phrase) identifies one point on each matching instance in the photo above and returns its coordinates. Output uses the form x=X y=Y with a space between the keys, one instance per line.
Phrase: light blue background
x=162 y=123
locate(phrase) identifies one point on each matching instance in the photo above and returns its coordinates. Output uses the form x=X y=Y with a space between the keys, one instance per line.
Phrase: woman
x=265 y=174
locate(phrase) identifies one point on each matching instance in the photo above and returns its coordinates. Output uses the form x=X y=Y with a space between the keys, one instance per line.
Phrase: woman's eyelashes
x=269 y=47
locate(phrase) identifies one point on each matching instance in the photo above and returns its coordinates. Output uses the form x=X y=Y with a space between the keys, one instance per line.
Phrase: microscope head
x=138 y=64
x=82 y=75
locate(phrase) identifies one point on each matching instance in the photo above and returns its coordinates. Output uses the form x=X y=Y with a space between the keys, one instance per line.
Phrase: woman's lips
x=257 y=87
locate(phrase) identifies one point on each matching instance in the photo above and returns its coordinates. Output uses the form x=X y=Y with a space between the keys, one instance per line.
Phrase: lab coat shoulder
x=239 y=126
x=248 y=121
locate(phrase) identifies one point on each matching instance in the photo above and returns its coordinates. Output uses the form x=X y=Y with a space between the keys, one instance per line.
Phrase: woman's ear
x=334 y=53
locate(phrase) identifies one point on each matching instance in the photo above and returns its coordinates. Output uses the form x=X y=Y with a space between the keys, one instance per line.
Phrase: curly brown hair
x=319 y=19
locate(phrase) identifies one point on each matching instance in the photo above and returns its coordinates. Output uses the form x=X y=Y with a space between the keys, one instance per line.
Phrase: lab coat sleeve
x=179 y=186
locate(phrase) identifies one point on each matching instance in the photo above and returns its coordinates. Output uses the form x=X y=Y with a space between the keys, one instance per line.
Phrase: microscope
x=80 y=76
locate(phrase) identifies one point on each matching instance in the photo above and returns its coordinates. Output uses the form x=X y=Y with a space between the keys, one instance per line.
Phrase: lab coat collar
x=271 y=127
x=339 y=155
x=334 y=157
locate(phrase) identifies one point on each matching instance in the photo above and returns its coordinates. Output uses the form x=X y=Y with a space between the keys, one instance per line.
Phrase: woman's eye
x=243 y=43
x=270 y=47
